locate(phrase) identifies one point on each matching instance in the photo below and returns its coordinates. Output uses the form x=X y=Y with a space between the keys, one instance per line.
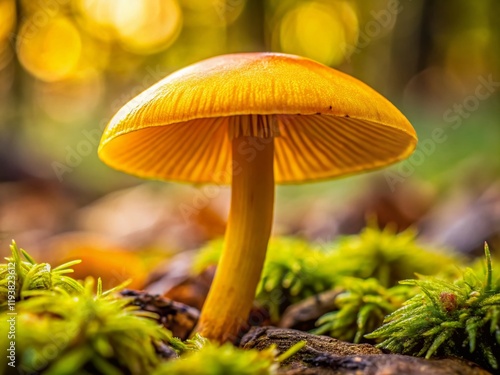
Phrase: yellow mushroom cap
x=329 y=123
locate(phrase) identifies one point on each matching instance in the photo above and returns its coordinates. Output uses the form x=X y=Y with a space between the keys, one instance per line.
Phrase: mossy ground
x=67 y=326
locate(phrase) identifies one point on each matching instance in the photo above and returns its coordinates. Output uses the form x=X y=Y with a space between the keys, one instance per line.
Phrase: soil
x=327 y=356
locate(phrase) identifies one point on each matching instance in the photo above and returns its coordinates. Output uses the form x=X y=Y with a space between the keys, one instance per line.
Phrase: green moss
x=293 y=270
x=60 y=333
x=387 y=256
x=459 y=318
x=226 y=359
x=30 y=276
x=64 y=326
x=205 y=358
x=361 y=308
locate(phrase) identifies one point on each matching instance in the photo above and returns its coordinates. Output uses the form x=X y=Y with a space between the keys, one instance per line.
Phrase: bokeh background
x=66 y=66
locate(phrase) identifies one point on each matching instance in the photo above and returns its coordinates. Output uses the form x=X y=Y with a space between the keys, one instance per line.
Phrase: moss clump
x=64 y=327
x=204 y=358
x=361 y=308
x=293 y=271
x=459 y=318
x=226 y=359
x=368 y=268
x=387 y=256
x=59 y=333
x=22 y=271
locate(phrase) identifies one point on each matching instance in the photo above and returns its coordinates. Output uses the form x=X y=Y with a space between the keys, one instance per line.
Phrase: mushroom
x=253 y=120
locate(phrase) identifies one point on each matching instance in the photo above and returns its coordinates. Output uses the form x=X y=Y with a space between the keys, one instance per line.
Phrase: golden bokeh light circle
x=323 y=31
x=7 y=18
x=49 y=51
x=140 y=26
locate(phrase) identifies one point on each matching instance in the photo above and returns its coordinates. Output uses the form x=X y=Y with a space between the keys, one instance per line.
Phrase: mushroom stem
x=232 y=292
